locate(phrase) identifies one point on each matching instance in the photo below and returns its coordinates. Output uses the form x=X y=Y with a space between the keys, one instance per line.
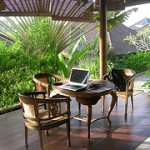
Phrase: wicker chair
x=40 y=119
x=129 y=76
x=44 y=82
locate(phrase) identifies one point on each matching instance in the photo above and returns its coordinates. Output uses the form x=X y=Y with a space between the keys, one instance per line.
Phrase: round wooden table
x=90 y=97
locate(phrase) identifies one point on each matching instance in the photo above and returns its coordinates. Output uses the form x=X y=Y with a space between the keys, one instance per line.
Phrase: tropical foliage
x=91 y=59
x=42 y=45
x=14 y=73
x=138 y=61
x=43 y=34
x=115 y=17
x=35 y=49
x=72 y=56
x=142 y=43
x=141 y=40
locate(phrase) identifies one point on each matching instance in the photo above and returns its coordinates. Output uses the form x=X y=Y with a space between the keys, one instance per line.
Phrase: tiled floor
x=122 y=135
x=145 y=145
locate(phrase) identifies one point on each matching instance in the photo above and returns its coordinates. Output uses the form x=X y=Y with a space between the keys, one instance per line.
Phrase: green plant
x=17 y=68
x=72 y=56
x=91 y=59
x=42 y=34
x=147 y=83
x=141 y=40
x=114 y=17
x=37 y=42
x=137 y=61
x=13 y=82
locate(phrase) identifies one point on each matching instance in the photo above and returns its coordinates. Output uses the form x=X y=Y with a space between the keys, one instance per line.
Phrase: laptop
x=78 y=80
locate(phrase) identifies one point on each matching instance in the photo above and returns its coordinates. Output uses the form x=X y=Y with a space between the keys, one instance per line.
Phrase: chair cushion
x=44 y=121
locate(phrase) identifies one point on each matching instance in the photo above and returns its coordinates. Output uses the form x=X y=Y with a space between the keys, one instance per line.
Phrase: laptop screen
x=79 y=75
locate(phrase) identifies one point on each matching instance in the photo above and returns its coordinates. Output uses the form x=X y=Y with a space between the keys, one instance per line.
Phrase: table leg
x=89 y=117
x=113 y=102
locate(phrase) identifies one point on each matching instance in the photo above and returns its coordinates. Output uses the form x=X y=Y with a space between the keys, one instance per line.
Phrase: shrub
x=17 y=68
x=12 y=82
x=138 y=62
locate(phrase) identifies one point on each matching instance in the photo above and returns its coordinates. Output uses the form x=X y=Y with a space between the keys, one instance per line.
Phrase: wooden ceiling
x=71 y=10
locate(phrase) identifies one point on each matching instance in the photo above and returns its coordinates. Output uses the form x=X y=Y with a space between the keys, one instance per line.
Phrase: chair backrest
x=44 y=81
x=129 y=76
x=56 y=108
x=128 y=73
x=121 y=78
x=28 y=106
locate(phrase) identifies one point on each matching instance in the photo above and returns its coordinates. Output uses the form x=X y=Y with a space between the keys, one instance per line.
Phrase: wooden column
x=102 y=42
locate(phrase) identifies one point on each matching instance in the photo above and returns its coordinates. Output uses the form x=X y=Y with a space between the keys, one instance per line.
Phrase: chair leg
x=103 y=102
x=132 y=101
x=41 y=141
x=126 y=105
x=26 y=135
x=68 y=133
x=79 y=108
x=46 y=132
x=117 y=102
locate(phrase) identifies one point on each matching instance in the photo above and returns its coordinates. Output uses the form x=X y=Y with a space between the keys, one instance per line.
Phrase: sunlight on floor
x=145 y=145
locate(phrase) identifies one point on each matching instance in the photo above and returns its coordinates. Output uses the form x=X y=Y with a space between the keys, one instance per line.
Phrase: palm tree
x=47 y=37
x=35 y=32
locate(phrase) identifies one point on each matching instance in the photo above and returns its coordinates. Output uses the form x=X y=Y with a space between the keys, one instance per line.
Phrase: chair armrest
x=52 y=100
x=41 y=92
x=35 y=93
x=41 y=83
x=105 y=76
x=58 y=77
x=129 y=79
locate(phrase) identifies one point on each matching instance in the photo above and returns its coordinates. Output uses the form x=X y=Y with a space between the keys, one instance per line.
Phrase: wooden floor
x=123 y=135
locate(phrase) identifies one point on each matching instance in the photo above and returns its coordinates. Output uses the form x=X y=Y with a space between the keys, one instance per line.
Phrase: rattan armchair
x=44 y=82
x=40 y=119
x=129 y=76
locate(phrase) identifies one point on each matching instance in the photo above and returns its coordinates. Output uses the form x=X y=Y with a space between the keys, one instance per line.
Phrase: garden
x=42 y=45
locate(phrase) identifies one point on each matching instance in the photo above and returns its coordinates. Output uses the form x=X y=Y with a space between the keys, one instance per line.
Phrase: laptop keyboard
x=73 y=86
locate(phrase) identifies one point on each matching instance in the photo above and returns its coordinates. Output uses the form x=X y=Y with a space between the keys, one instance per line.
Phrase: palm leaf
x=61 y=33
x=118 y=18
x=115 y=17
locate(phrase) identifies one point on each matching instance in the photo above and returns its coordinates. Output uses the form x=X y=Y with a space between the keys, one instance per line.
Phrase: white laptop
x=78 y=80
